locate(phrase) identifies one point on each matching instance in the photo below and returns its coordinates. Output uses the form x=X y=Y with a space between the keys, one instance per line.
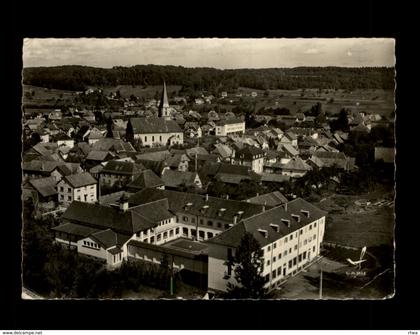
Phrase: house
x=96 y=157
x=157 y=131
x=103 y=231
x=56 y=115
x=337 y=159
x=178 y=162
x=39 y=168
x=45 y=189
x=63 y=139
x=146 y=179
x=192 y=129
x=119 y=174
x=174 y=179
x=295 y=168
x=230 y=126
x=95 y=135
x=290 y=237
x=113 y=145
x=272 y=199
x=80 y=187
x=289 y=150
x=224 y=152
x=199 y=217
x=252 y=157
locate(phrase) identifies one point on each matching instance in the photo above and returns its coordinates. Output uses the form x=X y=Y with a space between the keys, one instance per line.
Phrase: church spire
x=164 y=104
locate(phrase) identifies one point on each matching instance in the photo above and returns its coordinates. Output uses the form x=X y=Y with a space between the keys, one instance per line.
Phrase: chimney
x=124 y=206
x=227 y=196
x=235 y=219
x=207 y=197
x=263 y=208
x=285 y=206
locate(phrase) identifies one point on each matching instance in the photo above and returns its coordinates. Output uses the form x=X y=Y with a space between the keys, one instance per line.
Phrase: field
x=359 y=220
x=369 y=101
x=147 y=92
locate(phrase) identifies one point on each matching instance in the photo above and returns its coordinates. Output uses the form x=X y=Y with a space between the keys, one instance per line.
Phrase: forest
x=78 y=78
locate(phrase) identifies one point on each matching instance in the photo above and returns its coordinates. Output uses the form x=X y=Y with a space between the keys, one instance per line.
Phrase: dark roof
x=173 y=178
x=121 y=167
x=147 y=125
x=274 y=178
x=111 y=144
x=75 y=229
x=156 y=166
x=80 y=179
x=108 y=238
x=103 y=217
x=178 y=201
x=263 y=221
x=154 y=156
x=297 y=164
x=96 y=155
x=40 y=166
x=146 y=179
x=45 y=186
x=62 y=137
x=270 y=199
x=249 y=152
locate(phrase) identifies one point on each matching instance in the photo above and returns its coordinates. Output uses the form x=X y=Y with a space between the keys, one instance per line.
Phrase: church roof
x=164 y=99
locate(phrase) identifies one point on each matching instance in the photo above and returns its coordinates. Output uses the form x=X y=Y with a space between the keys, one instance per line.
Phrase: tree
x=129 y=133
x=109 y=132
x=248 y=263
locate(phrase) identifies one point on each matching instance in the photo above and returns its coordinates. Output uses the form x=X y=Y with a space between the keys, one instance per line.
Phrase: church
x=160 y=130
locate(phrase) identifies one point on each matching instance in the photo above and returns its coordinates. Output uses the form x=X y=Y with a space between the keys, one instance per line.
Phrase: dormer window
x=306 y=213
x=263 y=232
x=296 y=217
x=275 y=227
x=286 y=222
x=221 y=211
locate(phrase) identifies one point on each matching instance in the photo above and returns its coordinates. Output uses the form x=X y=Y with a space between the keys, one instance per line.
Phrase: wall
x=94 y=251
x=159 y=138
x=66 y=193
x=218 y=269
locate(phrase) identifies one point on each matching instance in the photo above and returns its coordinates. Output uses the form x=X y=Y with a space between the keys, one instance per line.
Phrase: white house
x=290 y=237
x=81 y=187
x=230 y=126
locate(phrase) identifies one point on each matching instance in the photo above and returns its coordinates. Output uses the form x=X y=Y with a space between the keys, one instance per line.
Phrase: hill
x=74 y=77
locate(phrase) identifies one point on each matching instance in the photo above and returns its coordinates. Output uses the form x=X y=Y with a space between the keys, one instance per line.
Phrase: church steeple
x=164 y=104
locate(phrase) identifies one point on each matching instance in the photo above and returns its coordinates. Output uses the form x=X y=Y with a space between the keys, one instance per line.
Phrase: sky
x=209 y=52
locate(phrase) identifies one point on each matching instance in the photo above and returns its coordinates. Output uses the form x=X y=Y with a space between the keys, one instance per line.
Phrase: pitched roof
x=45 y=186
x=178 y=203
x=176 y=159
x=264 y=221
x=80 y=179
x=274 y=178
x=223 y=150
x=296 y=164
x=146 y=179
x=148 y=125
x=112 y=144
x=290 y=149
x=108 y=238
x=270 y=199
x=154 y=156
x=76 y=229
x=173 y=178
x=120 y=167
x=249 y=152
x=40 y=165
x=97 y=155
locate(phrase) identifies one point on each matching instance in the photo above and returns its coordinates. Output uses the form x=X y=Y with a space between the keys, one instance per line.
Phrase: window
x=201 y=222
x=290 y=264
x=268 y=262
x=185 y=219
x=62 y=189
x=300 y=258
x=285 y=253
x=291 y=237
x=314 y=224
x=279 y=271
x=201 y=233
x=78 y=198
x=226 y=226
x=314 y=236
x=267 y=278
x=268 y=248
x=171 y=233
x=138 y=234
x=185 y=231
x=61 y=197
x=153 y=138
x=69 y=190
x=160 y=138
x=301 y=231
x=165 y=234
x=209 y=235
x=285 y=240
x=290 y=250
x=210 y=223
x=304 y=255
x=152 y=239
x=279 y=255
x=310 y=227
x=274 y=274
x=92 y=187
x=274 y=245
x=159 y=237
x=145 y=240
x=177 y=231
x=78 y=190
x=274 y=259
x=69 y=198
x=294 y=260
x=145 y=138
x=192 y=220
x=193 y=232
x=313 y=248
x=219 y=225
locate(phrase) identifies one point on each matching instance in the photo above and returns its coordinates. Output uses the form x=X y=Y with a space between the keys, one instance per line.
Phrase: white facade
x=282 y=258
x=69 y=143
x=67 y=193
x=160 y=138
x=226 y=129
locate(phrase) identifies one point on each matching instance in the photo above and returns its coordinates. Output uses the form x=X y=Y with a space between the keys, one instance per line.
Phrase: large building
x=79 y=187
x=290 y=237
x=232 y=126
x=161 y=130
x=252 y=157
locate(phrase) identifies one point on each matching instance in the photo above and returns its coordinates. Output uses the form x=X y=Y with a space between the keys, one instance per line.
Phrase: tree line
x=75 y=77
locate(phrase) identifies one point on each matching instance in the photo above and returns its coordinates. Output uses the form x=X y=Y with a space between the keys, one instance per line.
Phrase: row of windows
x=290 y=237
x=161 y=236
x=117 y=258
x=77 y=190
x=209 y=223
x=90 y=244
x=153 y=138
x=275 y=258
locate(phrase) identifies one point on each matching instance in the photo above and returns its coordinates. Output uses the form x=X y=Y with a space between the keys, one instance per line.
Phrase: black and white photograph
x=208 y=168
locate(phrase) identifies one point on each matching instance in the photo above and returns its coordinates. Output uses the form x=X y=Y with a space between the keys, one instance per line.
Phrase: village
x=172 y=182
